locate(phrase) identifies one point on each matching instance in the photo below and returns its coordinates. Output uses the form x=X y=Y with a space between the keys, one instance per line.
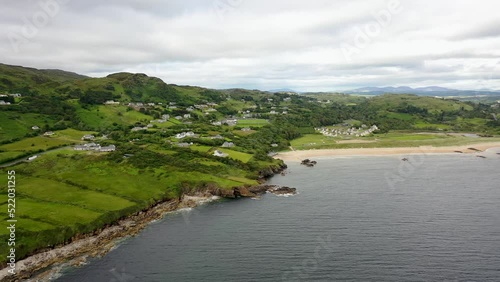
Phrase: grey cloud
x=479 y=32
x=267 y=44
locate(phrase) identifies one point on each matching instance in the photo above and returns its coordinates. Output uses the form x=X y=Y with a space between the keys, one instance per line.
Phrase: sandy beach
x=303 y=154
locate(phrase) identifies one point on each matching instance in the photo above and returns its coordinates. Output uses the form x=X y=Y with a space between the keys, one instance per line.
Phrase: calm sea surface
x=433 y=218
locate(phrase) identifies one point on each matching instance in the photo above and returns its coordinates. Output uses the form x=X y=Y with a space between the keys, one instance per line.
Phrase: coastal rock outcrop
x=308 y=162
x=261 y=189
x=271 y=171
x=283 y=191
x=243 y=192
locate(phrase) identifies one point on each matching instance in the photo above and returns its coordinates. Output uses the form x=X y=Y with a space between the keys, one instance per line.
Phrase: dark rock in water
x=254 y=191
x=481 y=157
x=474 y=149
x=308 y=163
x=460 y=152
x=283 y=190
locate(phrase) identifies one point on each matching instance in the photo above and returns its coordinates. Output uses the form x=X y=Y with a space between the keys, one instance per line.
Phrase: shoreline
x=46 y=265
x=299 y=155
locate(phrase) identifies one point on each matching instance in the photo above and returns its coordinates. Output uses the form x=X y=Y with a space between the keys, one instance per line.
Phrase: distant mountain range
x=424 y=91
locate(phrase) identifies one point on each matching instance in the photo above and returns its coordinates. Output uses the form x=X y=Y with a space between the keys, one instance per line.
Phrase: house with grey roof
x=228 y=145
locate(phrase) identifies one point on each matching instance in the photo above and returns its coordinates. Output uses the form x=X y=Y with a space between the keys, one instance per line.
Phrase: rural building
x=110 y=148
x=184 y=145
x=88 y=137
x=228 y=145
x=220 y=154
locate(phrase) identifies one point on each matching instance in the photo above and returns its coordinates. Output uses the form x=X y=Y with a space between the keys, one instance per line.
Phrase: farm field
x=393 y=139
x=252 y=122
x=14 y=125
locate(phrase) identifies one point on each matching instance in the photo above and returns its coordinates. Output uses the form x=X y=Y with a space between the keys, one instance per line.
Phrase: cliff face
x=271 y=171
x=100 y=241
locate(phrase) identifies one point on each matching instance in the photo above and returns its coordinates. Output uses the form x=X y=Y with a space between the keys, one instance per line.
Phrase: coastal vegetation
x=167 y=138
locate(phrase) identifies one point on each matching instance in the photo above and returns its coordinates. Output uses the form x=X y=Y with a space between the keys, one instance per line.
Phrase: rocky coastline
x=45 y=264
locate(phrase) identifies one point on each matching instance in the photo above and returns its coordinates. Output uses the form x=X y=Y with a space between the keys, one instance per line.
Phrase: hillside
x=423 y=91
x=113 y=146
x=17 y=79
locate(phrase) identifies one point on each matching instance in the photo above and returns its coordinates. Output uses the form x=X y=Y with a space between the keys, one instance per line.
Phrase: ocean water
x=432 y=218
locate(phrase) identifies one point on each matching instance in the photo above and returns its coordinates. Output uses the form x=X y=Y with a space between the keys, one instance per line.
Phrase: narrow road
x=25 y=159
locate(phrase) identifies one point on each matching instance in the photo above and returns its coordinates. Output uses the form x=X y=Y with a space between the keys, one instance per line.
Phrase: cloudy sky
x=307 y=45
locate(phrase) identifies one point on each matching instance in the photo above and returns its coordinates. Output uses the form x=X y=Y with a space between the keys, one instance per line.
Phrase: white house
x=35 y=127
x=220 y=154
x=110 y=148
x=48 y=133
x=88 y=137
x=228 y=145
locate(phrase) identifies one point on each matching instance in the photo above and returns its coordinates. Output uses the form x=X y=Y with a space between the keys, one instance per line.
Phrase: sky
x=313 y=45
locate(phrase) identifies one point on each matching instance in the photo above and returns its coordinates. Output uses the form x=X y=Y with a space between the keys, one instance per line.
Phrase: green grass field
x=393 y=101
x=252 y=122
x=104 y=116
x=392 y=139
x=66 y=192
x=200 y=148
x=73 y=135
x=244 y=157
x=7 y=156
x=62 y=193
x=14 y=125
x=34 y=144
